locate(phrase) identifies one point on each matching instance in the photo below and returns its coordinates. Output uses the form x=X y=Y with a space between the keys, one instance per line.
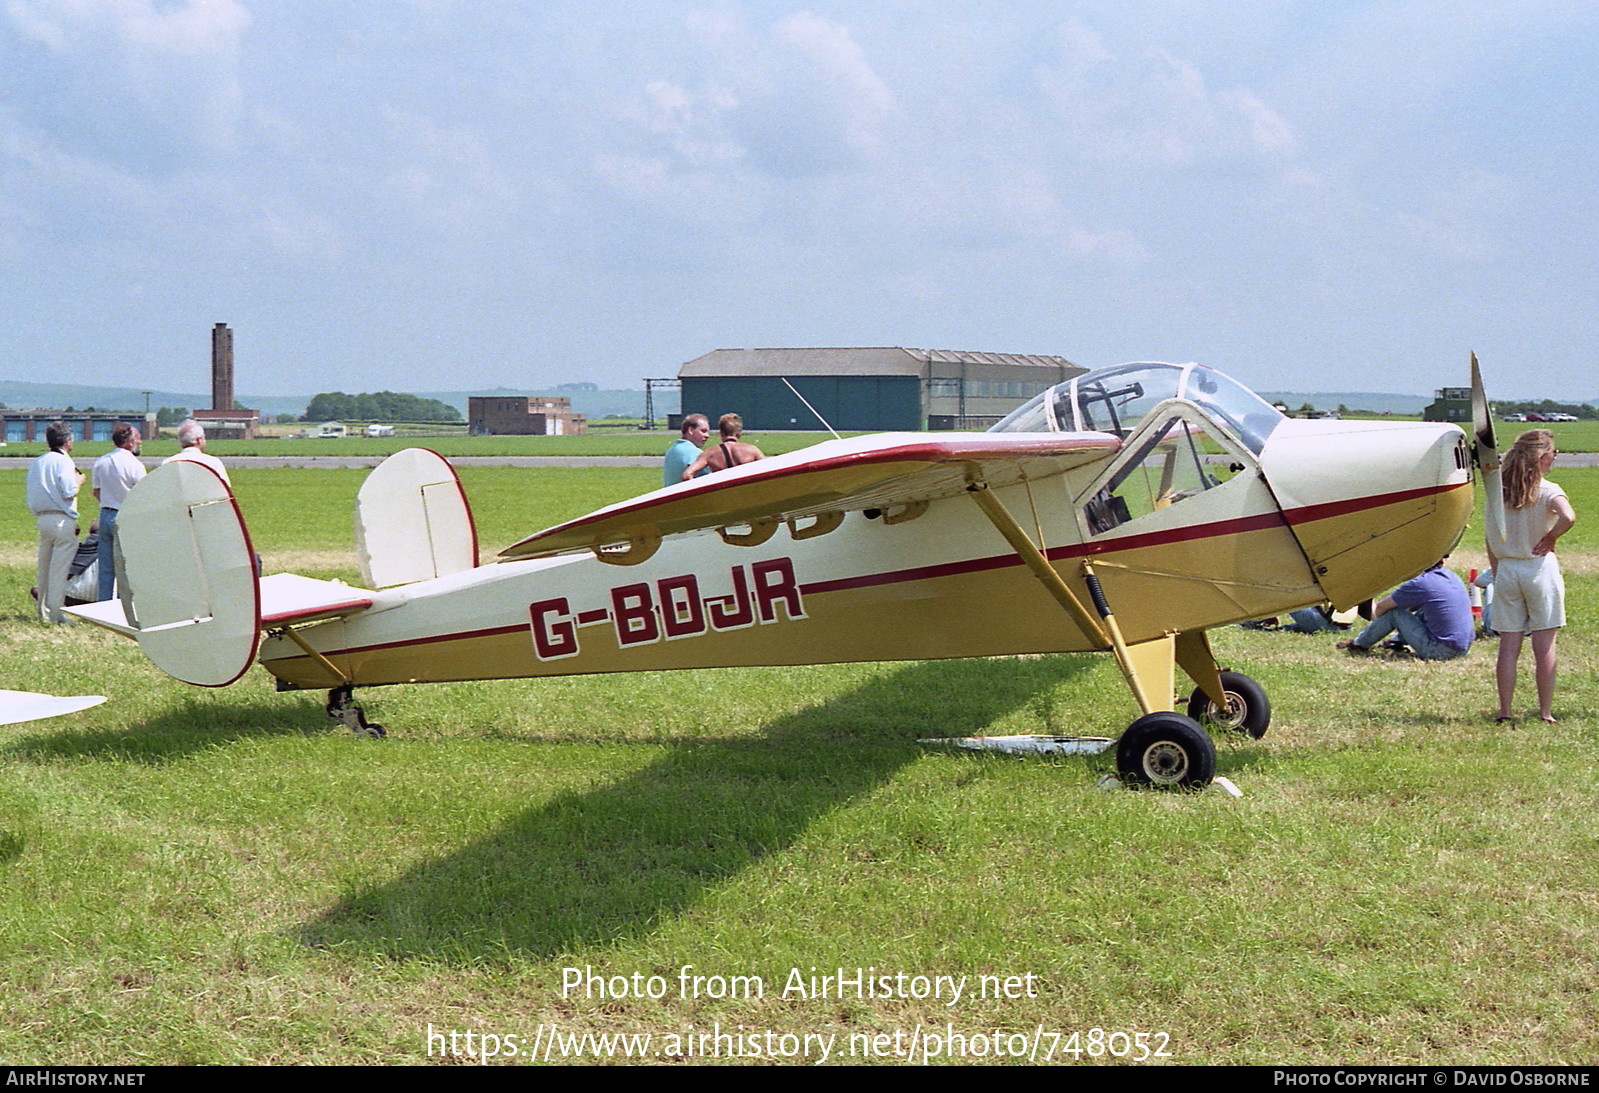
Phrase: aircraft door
x=1184 y=531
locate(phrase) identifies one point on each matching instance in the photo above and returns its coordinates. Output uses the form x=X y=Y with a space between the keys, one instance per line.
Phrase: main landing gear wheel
x=1166 y=750
x=1247 y=710
x=348 y=714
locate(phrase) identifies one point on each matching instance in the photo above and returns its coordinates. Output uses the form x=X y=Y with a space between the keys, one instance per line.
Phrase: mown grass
x=195 y=876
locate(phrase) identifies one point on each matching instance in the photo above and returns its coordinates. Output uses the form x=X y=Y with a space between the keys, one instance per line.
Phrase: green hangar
x=867 y=389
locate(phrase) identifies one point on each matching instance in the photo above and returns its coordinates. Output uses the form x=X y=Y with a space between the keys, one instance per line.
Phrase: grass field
x=197 y=876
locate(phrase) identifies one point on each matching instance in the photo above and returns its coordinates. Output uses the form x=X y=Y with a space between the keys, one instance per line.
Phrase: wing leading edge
x=836 y=476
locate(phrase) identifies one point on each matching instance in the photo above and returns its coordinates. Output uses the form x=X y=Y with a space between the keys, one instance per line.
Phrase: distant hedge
x=378 y=406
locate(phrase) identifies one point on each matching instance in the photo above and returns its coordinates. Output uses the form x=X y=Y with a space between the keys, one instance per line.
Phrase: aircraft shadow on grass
x=591 y=868
x=194 y=726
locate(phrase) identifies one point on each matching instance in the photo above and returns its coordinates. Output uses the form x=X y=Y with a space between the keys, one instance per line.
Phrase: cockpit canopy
x=1115 y=400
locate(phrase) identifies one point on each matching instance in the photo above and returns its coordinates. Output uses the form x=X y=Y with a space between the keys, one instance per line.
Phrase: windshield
x=1114 y=400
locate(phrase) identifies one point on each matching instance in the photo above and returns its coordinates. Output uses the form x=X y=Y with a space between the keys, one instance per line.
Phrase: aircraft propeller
x=1486 y=452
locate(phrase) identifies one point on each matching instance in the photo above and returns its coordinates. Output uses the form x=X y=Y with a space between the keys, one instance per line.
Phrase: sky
x=432 y=195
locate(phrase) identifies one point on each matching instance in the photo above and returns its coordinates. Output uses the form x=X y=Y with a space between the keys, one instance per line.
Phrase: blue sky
x=436 y=195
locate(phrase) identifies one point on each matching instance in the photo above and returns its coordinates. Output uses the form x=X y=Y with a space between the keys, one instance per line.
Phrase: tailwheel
x=1247 y=710
x=1166 y=750
x=340 y=708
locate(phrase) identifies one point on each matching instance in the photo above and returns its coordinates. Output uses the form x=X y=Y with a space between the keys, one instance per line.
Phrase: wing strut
x=294 y=635
x=1146 y=665
x=1033 y=558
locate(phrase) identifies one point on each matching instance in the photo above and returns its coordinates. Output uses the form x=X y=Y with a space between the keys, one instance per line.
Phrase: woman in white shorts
x=1529 y=593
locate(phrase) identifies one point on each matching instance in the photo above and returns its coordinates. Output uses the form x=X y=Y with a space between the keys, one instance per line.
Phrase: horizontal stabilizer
x=879 y=471
x=289 y=598
x=285 y=598
x=106 y=613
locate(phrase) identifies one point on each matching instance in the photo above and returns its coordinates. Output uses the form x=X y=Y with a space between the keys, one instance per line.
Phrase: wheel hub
x=1233 y=716
x=1165 y=762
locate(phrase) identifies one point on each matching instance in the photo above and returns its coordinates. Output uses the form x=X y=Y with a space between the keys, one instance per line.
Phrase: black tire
x=1248 y=710
x=1166 y=750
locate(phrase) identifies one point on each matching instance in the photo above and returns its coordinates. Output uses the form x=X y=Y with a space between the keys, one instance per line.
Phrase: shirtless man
x=729 y=453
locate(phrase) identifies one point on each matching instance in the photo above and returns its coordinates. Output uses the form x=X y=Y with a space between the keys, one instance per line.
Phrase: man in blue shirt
x=1431 y=612
x=696 y=431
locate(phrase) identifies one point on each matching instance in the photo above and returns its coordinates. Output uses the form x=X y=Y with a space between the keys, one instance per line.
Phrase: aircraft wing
x=19 y=706
x=880 y=471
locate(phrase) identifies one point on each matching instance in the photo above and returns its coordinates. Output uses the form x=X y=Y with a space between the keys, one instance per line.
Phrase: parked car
x=1515 y=417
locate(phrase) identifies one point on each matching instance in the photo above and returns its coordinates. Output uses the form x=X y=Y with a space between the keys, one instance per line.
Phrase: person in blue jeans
x=114 y=476
x=1431 y=613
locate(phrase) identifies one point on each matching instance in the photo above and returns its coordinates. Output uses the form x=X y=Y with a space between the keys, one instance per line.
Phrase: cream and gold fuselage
x=1333 y=511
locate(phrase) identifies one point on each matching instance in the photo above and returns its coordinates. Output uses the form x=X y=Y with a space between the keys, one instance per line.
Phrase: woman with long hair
x=1529 y=593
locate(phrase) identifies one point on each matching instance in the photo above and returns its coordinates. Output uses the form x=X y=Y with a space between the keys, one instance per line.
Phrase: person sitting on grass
x=1431 y=613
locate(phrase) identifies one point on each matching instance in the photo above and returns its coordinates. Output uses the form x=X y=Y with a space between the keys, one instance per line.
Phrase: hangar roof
x=867 y=361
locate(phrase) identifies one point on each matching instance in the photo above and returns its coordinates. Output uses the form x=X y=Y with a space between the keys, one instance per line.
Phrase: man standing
x=53 y=484
x=731 y=452
x=115 y=473
x=696 y=430
x=1431 y=612
x=191 y=447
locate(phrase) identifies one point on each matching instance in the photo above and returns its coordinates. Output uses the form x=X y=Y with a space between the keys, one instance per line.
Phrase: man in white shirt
x=191 y=447
x=115 y=473
x=53 y=483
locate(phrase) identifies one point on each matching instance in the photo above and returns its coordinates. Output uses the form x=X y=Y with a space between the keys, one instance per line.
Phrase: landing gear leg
x=340 y=708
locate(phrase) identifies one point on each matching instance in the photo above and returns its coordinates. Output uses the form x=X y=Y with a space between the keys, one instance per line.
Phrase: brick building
x=524 y=415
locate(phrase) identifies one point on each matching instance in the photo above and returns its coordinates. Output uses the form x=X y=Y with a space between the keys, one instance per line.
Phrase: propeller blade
x=1482 y=421
x=1487 y=455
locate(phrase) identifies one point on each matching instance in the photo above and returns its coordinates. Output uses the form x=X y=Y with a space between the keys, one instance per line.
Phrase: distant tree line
x=1580 y=410
x=378 y=406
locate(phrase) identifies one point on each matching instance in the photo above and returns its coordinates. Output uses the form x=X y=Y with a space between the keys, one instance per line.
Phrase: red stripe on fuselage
x=1293 y=517
x=1327 y=509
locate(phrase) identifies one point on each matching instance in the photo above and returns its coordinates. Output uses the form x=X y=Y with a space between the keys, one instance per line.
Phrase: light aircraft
x=1127 y=511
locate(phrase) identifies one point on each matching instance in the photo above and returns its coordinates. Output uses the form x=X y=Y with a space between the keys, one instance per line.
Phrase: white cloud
x=194 y=28
x=1154 y=109
x=136 y=72
x=840 y=76
x=691 y=121
x=799 y=99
